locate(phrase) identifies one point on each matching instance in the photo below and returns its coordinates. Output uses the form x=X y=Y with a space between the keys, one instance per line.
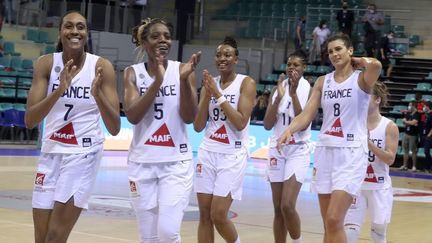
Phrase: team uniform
x=160 y=165
x=72 y=141
x=223 y=153
x=294 y=159
x=376 y=193
x=341 y=152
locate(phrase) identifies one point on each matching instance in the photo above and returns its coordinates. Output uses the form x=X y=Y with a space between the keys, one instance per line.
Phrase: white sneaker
x=403 y=167
x=413 y=169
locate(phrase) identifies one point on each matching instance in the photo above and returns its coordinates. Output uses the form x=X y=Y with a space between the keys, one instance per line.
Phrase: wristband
x=220 y=100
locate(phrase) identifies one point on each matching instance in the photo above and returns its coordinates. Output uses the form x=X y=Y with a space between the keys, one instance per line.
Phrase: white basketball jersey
x=73 y=123
x=345 y=111
x=377 y=174
x=220 y=134
x=285 y=113
x=161 y=135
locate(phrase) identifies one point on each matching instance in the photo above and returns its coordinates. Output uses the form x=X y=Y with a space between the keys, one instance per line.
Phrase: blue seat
x=9 y=49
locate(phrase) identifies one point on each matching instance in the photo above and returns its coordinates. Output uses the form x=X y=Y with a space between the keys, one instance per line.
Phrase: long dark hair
x=59 y=47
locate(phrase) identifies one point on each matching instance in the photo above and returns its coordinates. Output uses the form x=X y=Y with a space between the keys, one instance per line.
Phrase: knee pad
x=352 y=232
x=378 y=233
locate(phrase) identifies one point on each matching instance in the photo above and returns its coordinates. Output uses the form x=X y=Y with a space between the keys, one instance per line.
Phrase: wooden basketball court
x=110 y=218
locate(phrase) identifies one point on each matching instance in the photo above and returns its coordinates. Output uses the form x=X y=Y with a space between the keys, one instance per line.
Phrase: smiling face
x=338 y=52
x=73 y=32
x=158 y=39
x=225 y=58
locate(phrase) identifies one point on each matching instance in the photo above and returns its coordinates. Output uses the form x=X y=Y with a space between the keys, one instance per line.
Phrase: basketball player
x=160 y=99
x=71 y=89
x=376 y=194
x=226 y=102
x=341 y=153
x=286 y=171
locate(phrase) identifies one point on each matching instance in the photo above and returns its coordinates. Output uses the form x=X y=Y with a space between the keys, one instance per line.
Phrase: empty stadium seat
x=409 y=97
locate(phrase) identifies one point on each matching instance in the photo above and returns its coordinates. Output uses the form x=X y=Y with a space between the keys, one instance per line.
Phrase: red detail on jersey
x=199 y=168
x=161 y=137
x=292 y=140
x=273 y=162
x=220 y=135
x=336 y=129
x=370 y=175
x=39 y=180
x=65 y=135
x=132 y=186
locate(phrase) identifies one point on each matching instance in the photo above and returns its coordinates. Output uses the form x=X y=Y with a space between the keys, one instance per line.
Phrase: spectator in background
x=385 y=51
x=373 y=20
x=300 y=33
x=345 y=18
x=428 y=136
x=260 y=108
x=410 y=139
x=322 y=32
x=420 y=104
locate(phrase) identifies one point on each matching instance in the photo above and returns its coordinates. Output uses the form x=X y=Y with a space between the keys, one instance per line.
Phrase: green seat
x=421 y=153
x=397 y=109
x=427 y=98
x=429 y=77
x=22 y=93
x=409 y=97
x=27 y=64
x=282 y=67
x=5 y=62
x=271 y=77
x=322 y=69
x=16 y=63
x=9 y=49
x=401 y=135
x=423 y=87
x=49 y=49
x=32 y=35
x=19 y=106
x=310 y=69
x=400 y=123
x=260 y=87
x=6 y=106
x=414 y=40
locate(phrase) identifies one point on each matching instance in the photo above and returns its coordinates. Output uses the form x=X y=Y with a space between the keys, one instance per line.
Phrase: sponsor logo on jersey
x=183 y=148
x=336 y=129
x=39 y=180
x=220 y=135
x=86 y=142
x=370 y=175
x=162 y=137
x=65 y=135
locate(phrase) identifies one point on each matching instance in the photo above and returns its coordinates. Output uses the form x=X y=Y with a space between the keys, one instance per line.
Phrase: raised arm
x=240 y=117
x=104 y=90
x=137 y=106
x=203 y=106
x=270 y=117
x=38 y=103
x=388 y=154
x=371 y=73
x=188 y=95
x=303 y=120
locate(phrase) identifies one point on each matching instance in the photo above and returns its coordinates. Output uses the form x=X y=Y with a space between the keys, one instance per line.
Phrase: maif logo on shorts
x=133 y=189
x=162 y=137
x=220 y=135
x=39 y=180
x=65 y=135
x=336 y=129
